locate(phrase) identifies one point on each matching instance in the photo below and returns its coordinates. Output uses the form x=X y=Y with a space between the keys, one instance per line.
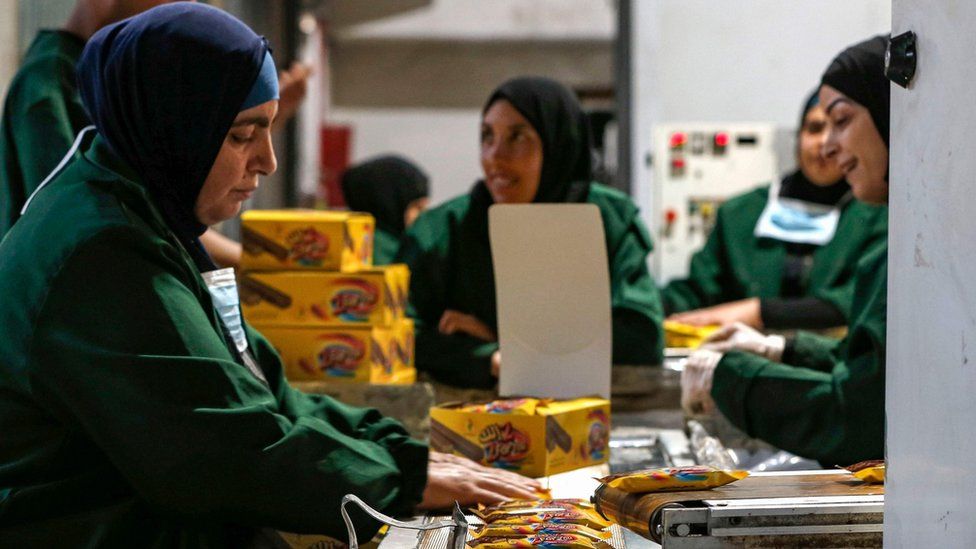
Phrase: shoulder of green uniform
x=74 y=218
x=740 y=204
x=435 y=218
x=432 y=224
x=876 y=257
x=871 y=213
x=41 y=78
x=620 y=216
x=89 y=200
x=613 y=202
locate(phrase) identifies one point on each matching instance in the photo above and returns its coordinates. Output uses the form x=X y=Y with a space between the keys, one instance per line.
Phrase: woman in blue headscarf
x=135 y=405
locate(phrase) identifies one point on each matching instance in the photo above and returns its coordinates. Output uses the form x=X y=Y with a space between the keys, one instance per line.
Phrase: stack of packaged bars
x=309 y=285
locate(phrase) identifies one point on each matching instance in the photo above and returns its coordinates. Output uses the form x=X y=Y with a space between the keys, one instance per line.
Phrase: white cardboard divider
x=553 y=293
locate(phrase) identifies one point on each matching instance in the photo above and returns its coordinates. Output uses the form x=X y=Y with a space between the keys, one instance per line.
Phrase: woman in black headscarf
x=392 y=189
x=135 y=405
x=535 y=147
x=817 y=397
x=782 y=256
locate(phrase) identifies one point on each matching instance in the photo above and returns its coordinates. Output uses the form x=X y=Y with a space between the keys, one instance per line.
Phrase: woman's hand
x=292 y=87
x=746 y=311
x=453 y=322
x=696 y=383
x=739 y=337
x=451 y=478
x=496 y=363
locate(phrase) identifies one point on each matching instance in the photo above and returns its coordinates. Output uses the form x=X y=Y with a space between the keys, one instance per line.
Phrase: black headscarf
x=556 y=115
x=163 y=89
x=567 y=156
x=797 y=186
x=858 y=73
x=384 y=186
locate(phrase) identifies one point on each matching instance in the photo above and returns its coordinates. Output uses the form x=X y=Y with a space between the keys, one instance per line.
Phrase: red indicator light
x=721 y=139
x=678 y=163
x=678 y=140
x=670 y=216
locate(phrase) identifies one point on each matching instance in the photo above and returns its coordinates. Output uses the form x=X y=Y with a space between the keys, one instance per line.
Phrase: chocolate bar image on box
x=253 y=292
x=557 y=436
x=445 y=440
x=401 y=298
x=254 y=243
x=388 y=296
x=379 y=357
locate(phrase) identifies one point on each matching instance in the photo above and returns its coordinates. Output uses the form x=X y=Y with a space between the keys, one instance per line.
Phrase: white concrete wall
x=931 y=374
x=444 y=142
x=736 y=60
x=481 y=20
x=414 y=83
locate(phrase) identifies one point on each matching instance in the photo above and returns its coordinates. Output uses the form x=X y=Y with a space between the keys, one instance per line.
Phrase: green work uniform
x=450 y=261
x=41 y=116
x=385 y=247
x=736 y=264
x=127 y=420
x=828 y=403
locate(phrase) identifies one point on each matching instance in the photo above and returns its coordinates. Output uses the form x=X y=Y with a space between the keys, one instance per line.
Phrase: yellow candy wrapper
x=554 y=515
x=540 y=541
x=677 y=334
x=871 y=472
x=564 y=503
x=523 y=530
x=672 y=479
x=514 y=406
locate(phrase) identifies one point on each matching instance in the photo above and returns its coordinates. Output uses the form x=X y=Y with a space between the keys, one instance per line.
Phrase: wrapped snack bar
x=670 y=479
x=523 y=530
x=681 y=335
x=567 y=503
x=871 y=472
x=565 y=541
x=546 y=515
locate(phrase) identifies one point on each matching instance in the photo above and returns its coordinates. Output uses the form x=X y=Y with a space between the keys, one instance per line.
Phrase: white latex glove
x=739 y=337
x=696 y=382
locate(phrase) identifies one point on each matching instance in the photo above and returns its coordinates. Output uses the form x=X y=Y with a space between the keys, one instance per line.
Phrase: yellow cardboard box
x=401 y=284
x=404 y=344
x=306 y=239
x=355 y=354
x=320 y=298
x=559 y=436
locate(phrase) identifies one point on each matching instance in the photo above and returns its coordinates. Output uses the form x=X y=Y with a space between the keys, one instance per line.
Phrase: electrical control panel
x=697 y=166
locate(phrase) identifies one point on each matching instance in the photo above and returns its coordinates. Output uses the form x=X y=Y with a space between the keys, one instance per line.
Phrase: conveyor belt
x=641 y=512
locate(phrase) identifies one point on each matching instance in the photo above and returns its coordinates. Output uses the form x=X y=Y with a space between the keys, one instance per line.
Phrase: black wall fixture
x=900 y=59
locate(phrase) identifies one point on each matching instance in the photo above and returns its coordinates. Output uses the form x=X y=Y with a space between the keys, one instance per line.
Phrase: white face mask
x=797 y=221
x=222 y=286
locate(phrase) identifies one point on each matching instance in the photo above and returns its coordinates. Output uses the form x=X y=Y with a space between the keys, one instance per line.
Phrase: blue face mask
x=796 y=221
x=222 y=286
x=223 y=291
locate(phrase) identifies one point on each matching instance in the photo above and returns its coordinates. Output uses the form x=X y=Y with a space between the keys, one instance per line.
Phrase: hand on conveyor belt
x=739 y=337
x=452 y=478
x=696 y=382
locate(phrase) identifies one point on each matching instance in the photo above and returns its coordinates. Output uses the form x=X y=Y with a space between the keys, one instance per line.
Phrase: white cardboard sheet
x=553 y=293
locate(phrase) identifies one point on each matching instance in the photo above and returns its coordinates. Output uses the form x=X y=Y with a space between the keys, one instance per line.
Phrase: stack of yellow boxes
x=309 y=285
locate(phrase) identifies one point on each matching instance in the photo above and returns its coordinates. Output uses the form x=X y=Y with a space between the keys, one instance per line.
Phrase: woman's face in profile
x=511 y=154
x=245 y=154
x=854 y=142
